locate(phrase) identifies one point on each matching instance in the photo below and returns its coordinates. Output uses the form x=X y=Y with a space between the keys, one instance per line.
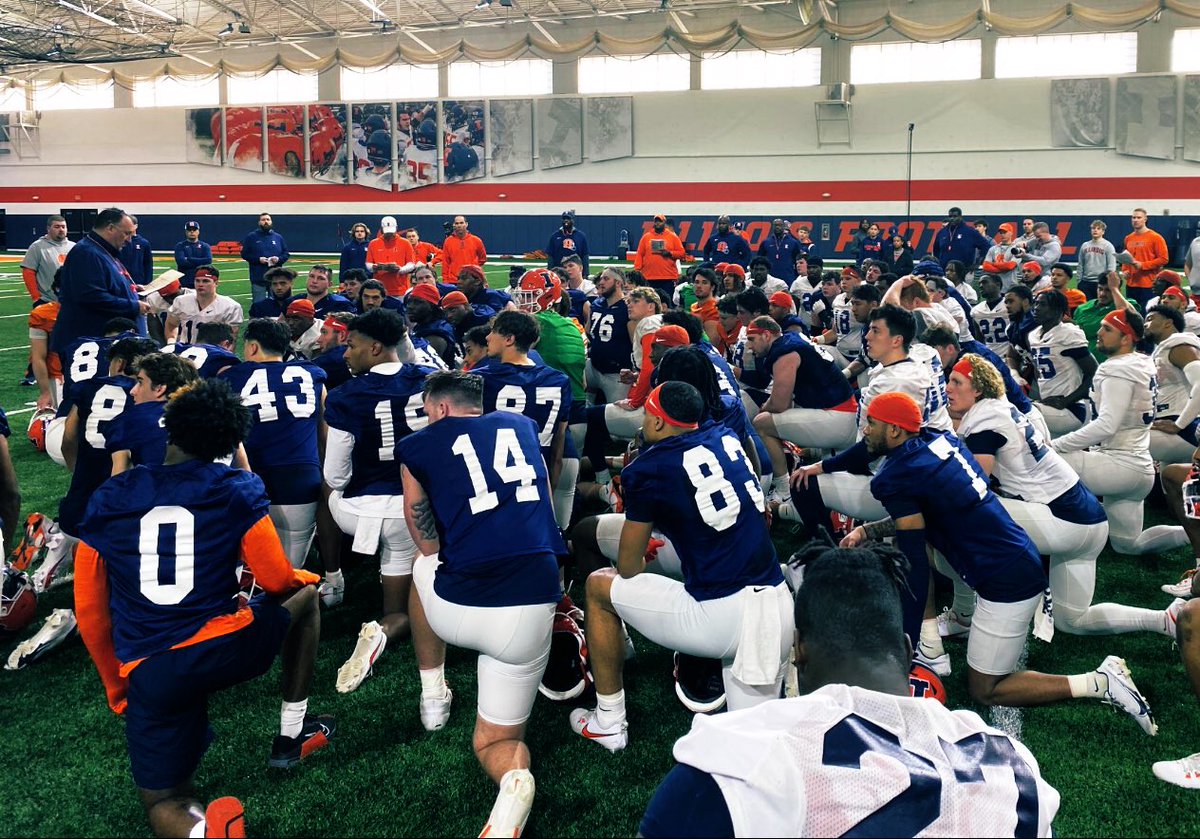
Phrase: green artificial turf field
x=67 y=772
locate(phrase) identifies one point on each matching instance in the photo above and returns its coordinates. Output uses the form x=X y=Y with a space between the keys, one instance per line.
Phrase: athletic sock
x=291 y=718
x=603 y=476
x=779 y=485
x=433 y=682
x=931 y=641
x=1093 y=684
x=197 y=831
x=335 y=578
x=610 y=709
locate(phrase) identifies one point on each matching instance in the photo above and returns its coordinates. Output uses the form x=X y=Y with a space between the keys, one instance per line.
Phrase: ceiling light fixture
x=244 y=28
x=154 y=10
x=483 y=4
x=87 y=13
x=228 y=30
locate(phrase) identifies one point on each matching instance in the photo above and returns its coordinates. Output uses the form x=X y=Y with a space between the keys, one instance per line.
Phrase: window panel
x=908 y=61
x=1080 y=54
x=279 y=86
x=1185 y=51
x=526 y=77
x=397 y=81
x=65 y=97
x=646 y=74
x=168 y=92
x=741 y=69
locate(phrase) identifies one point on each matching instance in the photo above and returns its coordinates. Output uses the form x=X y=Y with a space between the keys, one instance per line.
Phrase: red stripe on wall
x=1001 y=189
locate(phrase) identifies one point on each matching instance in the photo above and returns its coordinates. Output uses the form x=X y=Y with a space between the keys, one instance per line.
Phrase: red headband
x=335 y=325
x=655 y=409
x=758 y=330
x=963 y=367
x=1119 y=322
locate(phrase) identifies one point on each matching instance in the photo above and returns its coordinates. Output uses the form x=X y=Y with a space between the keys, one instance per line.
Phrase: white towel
x=757 y=660
x=1043 y=618
x=366 y=535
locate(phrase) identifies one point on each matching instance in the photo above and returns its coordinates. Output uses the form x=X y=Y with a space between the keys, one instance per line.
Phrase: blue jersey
x=492 y=298
x=578 y=298
x=936 y=475
x=701 y=492
x=541 y=393
x=439 y=328
x=333 y=362
x=83 y=359
x=484 y=476
x=284 y=399
x=170 y=538
x=725 y=377
x=98 y=402
x=209 y=360
x=140 y=431
x=378 y=410
x=610 y=348
x=819 y=384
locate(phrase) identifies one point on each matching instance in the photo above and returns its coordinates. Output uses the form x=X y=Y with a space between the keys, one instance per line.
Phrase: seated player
x=162 y=643
x=205 y=306
x=1177 y=371
x=1185 y=772
x=286 y=401
x=213 y=351
x=697 y=487
x=280 y=281
x=331 y=346
x=367 y=417
x=1064 y=365
x=423 y=307
x=137 y=435
x=1112 y=452
x=304 y=330
x=840 y=754
x=810 y=405
x=467 y=477
x=935 y=493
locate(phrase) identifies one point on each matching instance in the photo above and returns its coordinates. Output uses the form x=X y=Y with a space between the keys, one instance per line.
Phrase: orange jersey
x=457 y=253
x=429 y=254
x=43 y=318
x=1150 y=249
x=399 y=251
x=657 y=261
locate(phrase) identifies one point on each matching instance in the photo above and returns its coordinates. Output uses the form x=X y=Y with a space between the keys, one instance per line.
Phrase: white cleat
x=935 y=660
x=583 y=723
x=331 y=595
x=1172 y=617
x=371 y=642
x=513 y=802
x=950 y=624
x=58 y=627
x=1183 y=588
x=1123 y=693
x=435 y=713
x=1184 y=772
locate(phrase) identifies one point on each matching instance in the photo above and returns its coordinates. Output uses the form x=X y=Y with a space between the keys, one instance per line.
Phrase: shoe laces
x=1190 y=764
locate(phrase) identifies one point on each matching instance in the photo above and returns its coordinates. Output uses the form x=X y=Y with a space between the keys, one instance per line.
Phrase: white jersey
x=801 y=286
x=651 y=323
x=956 y=311
x=840 y=760
x=933 y=315
x=993 y=325
x=968 y=293
x=186 y=309
x=420 y=167
x=1058 y=374
x=158 y=306
x=847 y=329
x=1191 y=321
x=1124 y=394
x=306 y=345
x=375 y=180
x=1173 y=388
x=1025 y=467
x=919 y=378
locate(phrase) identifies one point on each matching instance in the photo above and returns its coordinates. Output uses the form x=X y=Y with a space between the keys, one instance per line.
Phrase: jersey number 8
x=706 y=474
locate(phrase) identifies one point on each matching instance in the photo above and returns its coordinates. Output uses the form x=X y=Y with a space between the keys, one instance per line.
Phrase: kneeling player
x=467 y=477
x=164 y=640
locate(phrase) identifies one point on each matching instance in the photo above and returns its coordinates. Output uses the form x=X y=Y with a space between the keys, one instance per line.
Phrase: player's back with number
x=185 y=514
x=209 y=359
x=700 y=490
x=378 y=409
x=485 y=476
x=285 y=401
x=98 y=403
x=85 y=358
x=541 y=393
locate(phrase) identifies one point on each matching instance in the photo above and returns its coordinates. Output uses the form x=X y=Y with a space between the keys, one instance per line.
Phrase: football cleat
x=60 y=626
x=435 y=713
x=286 y=752
x=698 y=683
x=567 y=674
x=939 y=663
x=58 y=561
x=1172 y=616
x=1123 y=693
x=331 y=595
x=32 y=544
x=1184 y=772
x=371 y=642
x=513 y=802
x=225 y=817
x=1183 y=588
x=951 y=624
x=18 y=600
x=583 y=723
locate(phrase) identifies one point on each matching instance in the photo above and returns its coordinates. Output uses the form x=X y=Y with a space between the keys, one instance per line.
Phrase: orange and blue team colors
x=659 y=262
x=43 y=317
x=459 y=252
x=205 y=520
x=1149 y=249
x=382 y=252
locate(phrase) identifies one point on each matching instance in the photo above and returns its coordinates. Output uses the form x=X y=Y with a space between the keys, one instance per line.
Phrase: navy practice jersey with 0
x=378 y=409
x=209 y=360
x=140 y=431
x=485 y=476
x=935 y=475
x=541 y=393
x=701 y=492
x=194 y=514
x=609 y=346
x=819 y=383
x=98 y=401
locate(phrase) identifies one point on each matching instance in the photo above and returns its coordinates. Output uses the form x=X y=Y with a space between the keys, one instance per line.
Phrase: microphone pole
x=908 y=181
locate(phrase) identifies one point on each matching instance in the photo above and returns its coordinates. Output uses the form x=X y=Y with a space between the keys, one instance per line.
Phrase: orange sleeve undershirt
x=95 y=623
x=641 y=388
x=31 y=283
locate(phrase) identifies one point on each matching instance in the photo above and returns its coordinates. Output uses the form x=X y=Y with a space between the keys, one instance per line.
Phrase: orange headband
x=335 y=325
x=1118 y=321
x=757 y=330
x=655 y=408
x=963 y=367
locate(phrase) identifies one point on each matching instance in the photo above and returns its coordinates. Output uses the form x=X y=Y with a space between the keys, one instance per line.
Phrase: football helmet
x=567 y=674
x=374 y=122
x=37 y=427
x=461 y=160
x=426 y=136
x=537 y=290
x=18 y=601
x=923 y=683
x=379 y=148
x=1191 y=496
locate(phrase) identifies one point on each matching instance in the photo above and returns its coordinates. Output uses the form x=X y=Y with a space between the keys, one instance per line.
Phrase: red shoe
x=225 y=817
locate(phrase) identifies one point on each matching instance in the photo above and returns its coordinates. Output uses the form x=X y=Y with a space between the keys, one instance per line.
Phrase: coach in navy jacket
x=191 y=253
x=95 y=285
x=780 y=249
x=958 y=241
x=567 y=241
x=259 y=243
x=727 y=245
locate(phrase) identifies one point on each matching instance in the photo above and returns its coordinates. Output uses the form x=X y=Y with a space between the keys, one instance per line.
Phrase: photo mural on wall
x=285 y=140
x=371 y=142
x=244 y=138
x=560 y=131
x=416 y=144
x=327 y=143
x=463 y=140
x=203 y=132
x=609 y=128
x=510 y=133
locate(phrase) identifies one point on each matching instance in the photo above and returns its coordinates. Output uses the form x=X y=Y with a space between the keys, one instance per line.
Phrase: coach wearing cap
x=567 y=241
x=657 y=257
x=390 y=258
x=191 y=253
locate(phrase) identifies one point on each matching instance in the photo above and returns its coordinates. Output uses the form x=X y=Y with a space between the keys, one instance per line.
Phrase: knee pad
x=392 y=564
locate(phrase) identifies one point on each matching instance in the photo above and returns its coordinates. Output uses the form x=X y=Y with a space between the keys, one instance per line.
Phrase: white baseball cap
x=388 y=225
